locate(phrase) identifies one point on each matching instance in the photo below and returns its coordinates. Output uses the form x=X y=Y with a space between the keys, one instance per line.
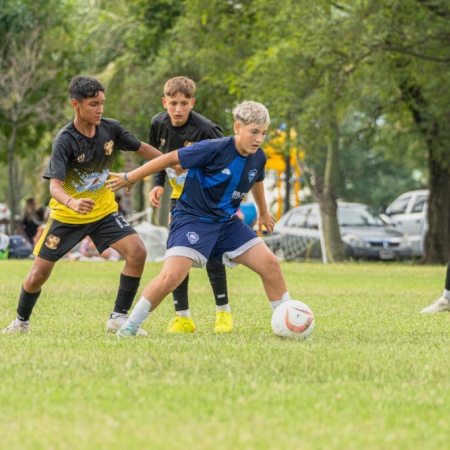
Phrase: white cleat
x=114 y=324
x=440 y=305
x=17 y=326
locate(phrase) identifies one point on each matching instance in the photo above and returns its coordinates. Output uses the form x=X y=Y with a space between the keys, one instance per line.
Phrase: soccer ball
x=293 y=319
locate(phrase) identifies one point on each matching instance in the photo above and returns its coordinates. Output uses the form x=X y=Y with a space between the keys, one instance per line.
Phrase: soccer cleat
x=224 y=322
x=17 y=326
x=115 y=323
x=180 y=324
x=440 y=305
x=126 y=332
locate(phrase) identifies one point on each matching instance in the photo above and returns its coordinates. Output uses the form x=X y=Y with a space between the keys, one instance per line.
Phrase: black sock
x=26 y=304
x=218 y=278
x=447 y=278
x=180 y=295
x=128 y=287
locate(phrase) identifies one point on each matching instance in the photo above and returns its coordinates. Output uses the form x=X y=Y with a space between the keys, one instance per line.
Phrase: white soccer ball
x=293 y=319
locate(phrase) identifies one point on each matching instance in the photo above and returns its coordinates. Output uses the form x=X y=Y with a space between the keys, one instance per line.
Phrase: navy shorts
x=199 y=240
x=59 y=238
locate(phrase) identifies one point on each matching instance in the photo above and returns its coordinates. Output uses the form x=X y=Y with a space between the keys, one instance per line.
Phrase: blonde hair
x=182 y=85
x=251 y=112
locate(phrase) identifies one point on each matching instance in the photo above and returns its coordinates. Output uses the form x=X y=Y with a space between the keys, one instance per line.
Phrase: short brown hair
x=182 y=85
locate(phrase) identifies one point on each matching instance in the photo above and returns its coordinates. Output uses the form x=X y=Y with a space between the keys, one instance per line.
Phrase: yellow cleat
x=224 y=322
x=181 y=324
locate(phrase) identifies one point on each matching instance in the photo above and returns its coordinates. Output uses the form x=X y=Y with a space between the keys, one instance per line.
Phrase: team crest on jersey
x=187 y=143
x=163 y=142
x=108 y=147
x=192 y=237
x=226 y=171
x=252 y=175
x=52 y=242
x=81 y=158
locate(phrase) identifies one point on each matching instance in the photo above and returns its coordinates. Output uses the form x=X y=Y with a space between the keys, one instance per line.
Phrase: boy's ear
x=237 y=128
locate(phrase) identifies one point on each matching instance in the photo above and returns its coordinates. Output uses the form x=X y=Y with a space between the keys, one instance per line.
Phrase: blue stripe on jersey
x=236 y=168
x=218 y=179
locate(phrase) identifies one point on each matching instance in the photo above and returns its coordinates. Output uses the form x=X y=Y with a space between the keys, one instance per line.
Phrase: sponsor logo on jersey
x=192 y=237
x=52 y=242
x=252 y=175
x=226 y=171
x=162 y=143
x=81 y=158
x=239 y=195
x=109 y=146
x=91 y=181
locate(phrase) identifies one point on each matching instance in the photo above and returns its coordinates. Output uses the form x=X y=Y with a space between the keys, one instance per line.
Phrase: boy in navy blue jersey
x=176 y=127
x=204 y=224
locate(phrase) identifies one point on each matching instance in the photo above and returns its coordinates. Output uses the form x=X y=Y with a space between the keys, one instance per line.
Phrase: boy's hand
x=267 y=220
x=82 y=205
x=154 y=196
x=117 y=181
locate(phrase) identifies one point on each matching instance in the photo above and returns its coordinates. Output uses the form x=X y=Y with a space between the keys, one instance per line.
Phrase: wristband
x=68 y=201
x=126 y=179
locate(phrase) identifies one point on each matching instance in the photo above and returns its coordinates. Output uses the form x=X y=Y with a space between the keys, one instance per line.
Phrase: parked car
x=296 y=235
x=408 y=213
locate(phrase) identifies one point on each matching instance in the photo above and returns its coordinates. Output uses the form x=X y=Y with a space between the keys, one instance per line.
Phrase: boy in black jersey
x=177 y=127
x=83 y=153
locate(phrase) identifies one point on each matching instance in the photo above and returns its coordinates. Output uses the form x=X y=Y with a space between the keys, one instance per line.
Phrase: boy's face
x=249 y=137
x=90 y=110
x=178 y=108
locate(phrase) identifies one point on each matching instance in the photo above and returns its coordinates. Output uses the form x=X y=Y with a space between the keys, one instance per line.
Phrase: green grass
x=374 y=374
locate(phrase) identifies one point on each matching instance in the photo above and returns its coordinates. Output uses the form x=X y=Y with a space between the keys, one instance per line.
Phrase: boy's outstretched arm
x=127 y=179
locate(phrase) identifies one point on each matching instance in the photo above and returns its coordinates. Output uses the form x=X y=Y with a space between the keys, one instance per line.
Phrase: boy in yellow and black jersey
x=83 y=154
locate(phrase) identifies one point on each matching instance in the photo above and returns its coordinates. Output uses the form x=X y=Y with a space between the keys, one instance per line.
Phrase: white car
x=408 y=213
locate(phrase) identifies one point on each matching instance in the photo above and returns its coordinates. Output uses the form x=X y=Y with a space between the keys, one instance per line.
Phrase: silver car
x=408 y=213
x=297 y=235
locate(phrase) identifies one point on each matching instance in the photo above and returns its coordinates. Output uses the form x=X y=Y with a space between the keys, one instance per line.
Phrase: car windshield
x=357 y=216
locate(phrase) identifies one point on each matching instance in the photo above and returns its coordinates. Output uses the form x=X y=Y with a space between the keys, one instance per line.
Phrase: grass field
x=374 y=375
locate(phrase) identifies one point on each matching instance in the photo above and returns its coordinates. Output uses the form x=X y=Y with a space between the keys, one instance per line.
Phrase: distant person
x=170 y=130
x=204 y=222
x=83 y=153
x=30 y=220
x=442 y=304
x=88 y=251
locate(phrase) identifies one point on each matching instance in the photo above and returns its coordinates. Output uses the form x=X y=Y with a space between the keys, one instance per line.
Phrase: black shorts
x=59 y=238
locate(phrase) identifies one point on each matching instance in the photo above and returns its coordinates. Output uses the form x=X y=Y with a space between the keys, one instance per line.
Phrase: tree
x=32 y=73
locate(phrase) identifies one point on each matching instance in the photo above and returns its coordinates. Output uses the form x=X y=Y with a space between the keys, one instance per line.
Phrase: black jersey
x=166 y=138
x=83 y=164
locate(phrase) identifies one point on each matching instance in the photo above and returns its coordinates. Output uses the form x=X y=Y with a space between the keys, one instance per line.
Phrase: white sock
x=184 y=313
x=140 y=312
x=446 y=294
x=284 y=298
x=223 y=308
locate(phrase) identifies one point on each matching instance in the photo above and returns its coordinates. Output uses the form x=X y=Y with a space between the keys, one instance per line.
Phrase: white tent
x=154 y=238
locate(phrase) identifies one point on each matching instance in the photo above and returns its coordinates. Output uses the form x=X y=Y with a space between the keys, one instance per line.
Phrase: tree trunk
x=437 y=242
x=327 y=201
x=12 y=191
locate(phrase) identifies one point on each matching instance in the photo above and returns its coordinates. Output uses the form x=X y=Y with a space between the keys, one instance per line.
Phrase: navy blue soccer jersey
x=219 y=178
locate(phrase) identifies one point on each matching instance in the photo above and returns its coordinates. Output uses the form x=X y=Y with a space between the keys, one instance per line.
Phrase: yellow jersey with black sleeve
x=83 y=164
x=167 y=138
